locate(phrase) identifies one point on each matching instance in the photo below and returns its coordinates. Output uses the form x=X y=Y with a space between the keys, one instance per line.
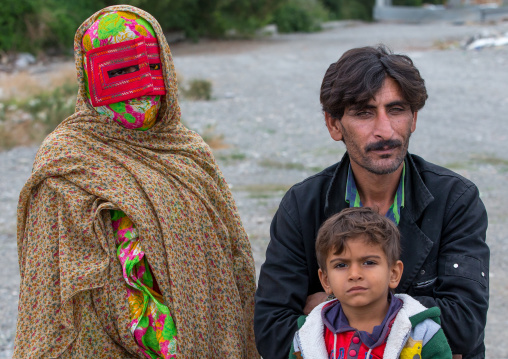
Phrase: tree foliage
x=33 y=25
x=416 y=2
x=350 y=9
x=300 y=16
x=49 y=25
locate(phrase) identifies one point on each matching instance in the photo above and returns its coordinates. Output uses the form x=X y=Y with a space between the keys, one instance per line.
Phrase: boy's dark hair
x=359 y=74
x=352 y=223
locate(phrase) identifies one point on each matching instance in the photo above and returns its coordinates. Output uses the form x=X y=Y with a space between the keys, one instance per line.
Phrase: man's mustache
x=383 y=145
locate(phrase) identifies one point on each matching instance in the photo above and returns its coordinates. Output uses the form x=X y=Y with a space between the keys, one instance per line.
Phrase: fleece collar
x=311 y=335
x=335 y=320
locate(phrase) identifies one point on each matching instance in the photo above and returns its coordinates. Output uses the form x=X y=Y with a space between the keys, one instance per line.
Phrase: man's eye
x=362 y=114
x=155 y=66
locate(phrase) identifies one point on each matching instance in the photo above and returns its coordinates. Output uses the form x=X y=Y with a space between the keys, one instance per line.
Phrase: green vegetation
x=264 y=190
x=475 y=160
x=215 y=140
x=198 y=89
x=416 y=2
x=230 y=156
x=300 y=16
x=49 y=25
x=271 y=163
x=27 y=121
x=35 y=25
x=350 y=9
x=53 y=106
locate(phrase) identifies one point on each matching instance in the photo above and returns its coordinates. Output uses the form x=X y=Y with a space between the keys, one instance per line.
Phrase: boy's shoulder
x=416 y=312
x=311 y=335
x=426 y=338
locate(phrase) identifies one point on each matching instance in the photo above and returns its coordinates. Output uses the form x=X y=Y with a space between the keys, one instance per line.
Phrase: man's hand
x=313 y=301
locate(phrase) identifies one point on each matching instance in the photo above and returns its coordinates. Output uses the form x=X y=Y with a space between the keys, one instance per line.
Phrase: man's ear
x=334 y=127
x=413 y=124
x=396 y=274
x=323 y=277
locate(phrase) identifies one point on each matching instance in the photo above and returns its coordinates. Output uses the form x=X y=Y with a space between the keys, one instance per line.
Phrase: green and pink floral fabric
x=151 y=322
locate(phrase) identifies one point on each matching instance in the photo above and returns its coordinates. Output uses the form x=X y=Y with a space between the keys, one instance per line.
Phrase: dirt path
x=266 y=107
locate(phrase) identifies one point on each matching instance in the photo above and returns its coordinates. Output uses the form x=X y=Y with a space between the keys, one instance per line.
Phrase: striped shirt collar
x=353 y=197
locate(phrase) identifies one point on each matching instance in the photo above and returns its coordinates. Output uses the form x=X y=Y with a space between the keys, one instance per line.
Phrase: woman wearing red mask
x=129 y=240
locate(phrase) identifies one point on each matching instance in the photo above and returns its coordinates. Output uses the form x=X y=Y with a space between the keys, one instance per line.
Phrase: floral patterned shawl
x=72 y=295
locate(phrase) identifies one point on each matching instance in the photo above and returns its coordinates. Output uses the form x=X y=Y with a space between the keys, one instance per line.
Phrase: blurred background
x=249 y=74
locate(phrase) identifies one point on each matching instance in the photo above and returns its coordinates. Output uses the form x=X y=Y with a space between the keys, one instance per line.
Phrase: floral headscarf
x=115 y=28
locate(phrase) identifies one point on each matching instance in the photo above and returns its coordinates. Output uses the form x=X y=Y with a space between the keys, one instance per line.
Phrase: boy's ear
x=396 y=274
x=323 y=277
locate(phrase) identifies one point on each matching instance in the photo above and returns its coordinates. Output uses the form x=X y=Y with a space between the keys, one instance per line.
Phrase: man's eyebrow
x=357 y=107
x=397 y=103
x=369 y=106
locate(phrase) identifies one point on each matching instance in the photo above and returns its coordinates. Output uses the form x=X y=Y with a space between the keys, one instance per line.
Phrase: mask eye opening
x=155 y=66
x=123 y=71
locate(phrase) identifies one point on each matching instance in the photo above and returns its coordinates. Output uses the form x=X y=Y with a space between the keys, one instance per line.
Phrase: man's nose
x=383 y=127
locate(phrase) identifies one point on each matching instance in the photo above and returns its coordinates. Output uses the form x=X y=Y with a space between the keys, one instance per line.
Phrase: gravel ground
x=266 y=108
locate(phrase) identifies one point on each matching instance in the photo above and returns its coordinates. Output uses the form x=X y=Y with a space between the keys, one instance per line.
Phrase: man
x=371 y=98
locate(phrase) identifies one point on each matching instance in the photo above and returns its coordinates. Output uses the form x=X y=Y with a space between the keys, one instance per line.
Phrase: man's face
x=376 y=135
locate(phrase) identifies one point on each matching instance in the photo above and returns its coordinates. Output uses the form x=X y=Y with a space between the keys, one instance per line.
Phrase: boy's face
x=360 y=277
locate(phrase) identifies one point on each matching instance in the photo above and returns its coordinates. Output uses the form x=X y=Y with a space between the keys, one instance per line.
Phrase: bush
x=300 y=16
x=27 y=121
x=52 y=107
x=198 y=90
x=416 y=2
x=34 y=25
x=350 y=9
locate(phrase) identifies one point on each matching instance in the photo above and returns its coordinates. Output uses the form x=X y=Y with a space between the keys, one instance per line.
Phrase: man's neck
x=376 y=191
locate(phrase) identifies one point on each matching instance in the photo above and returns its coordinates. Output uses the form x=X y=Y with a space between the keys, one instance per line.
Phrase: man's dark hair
x=353 y=223
x=359 y=74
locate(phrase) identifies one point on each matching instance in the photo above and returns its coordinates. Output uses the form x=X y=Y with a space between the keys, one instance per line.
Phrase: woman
x=129 y=241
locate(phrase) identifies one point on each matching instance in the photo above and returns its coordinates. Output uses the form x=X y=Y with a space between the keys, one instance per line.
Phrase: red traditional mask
x=124 y=71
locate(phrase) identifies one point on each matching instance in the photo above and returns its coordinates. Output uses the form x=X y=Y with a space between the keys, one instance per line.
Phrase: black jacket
x=446 y=259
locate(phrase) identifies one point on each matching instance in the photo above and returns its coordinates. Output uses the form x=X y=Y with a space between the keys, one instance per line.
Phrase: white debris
x=486 y=39
x=24 y=59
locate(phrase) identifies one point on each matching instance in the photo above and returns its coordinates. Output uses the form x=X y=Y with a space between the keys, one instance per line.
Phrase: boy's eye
x=340 y=265
x=369 y=263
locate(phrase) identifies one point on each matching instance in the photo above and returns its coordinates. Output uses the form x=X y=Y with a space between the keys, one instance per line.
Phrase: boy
x=357 y=251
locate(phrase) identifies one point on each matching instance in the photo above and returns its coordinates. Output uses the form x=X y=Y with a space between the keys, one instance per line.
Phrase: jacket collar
x=417 y=196
x=335 y=195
